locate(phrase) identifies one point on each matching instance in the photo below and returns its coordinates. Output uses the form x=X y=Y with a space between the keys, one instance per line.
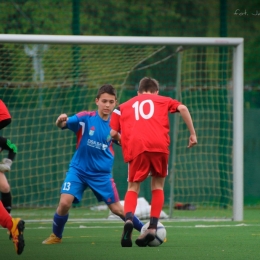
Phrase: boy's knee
x=117 y=209
x=5 y=187
x=63 y=207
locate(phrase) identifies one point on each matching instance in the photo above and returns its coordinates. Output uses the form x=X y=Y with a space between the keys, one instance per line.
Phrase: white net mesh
x=203 y=175
x=38 y=82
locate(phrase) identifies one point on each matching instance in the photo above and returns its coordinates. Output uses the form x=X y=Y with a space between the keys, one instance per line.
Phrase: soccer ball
x=160 y=236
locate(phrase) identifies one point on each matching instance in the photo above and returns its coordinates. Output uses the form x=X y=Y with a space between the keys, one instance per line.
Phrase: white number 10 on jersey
x=139 y=109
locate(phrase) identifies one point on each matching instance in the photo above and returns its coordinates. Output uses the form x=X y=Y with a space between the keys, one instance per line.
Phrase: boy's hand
x=61 y=120
x=192 y=140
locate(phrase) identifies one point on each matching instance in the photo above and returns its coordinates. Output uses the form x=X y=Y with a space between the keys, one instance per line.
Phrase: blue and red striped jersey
x=94 y=152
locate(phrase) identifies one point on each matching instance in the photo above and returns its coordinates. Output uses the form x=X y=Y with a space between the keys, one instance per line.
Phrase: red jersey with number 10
x=144 y=124
x=4 y=113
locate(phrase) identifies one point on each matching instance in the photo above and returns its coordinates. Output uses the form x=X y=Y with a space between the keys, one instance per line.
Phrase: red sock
x=130 y=202
x=5 y=218
x=157 y=203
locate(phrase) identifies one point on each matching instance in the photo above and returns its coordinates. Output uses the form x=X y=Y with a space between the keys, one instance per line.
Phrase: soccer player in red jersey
x=144 y=126
x=5 y=166
x=15 y=227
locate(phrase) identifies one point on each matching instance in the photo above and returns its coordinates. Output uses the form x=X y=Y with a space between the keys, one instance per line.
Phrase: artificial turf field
x=100 y=239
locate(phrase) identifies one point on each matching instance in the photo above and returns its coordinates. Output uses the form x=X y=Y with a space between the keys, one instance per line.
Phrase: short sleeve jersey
x=4 y=113
x=94 y=152
x=144 y=124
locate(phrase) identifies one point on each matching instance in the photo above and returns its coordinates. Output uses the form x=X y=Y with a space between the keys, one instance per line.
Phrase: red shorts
x=148 y=163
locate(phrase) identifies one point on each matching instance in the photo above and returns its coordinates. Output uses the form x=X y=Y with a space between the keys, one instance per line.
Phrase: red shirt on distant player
x=147 y=127
x=4 y=113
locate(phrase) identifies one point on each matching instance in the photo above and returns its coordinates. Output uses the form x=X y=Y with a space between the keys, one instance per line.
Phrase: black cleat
x=146 y=237
x=126 y=240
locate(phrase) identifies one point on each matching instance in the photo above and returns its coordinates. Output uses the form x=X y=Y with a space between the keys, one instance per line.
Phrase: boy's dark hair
x=107 y=88
x=148 y=85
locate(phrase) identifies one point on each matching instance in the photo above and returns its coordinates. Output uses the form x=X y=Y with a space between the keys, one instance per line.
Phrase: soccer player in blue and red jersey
x=144 y=126
x=92 y=163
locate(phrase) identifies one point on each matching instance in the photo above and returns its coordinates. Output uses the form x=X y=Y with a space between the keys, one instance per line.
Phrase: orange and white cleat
x=16 y=234
x=52 y=239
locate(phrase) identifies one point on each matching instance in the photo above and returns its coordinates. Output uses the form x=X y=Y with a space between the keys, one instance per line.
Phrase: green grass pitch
x=94 y=239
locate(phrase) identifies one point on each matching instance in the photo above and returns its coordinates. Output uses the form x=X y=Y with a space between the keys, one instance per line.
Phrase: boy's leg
x=138 y=170
x=6 y=197
x=156 y=208
x=159 y=163
x=141 y=166
x=129 y=209
x=7 y=201
x=133 y=222
x=6 y=144
x=117 y=209
x=5 y=218
x=60 y=218
x=16 y=228
x=71 y=191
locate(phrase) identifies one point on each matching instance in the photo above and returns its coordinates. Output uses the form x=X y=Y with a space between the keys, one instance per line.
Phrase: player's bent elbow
x=182 y=108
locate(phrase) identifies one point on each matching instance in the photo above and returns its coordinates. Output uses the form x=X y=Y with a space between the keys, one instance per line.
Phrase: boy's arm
x=115 y=124
x=115 y=135
x=188 y=120
x=61 y=121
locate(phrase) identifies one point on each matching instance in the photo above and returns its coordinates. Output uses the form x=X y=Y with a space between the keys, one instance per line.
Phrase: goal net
x=203 y=176
x=41 y=80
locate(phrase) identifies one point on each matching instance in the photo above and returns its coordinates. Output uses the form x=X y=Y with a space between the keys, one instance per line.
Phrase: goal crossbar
x=69 y=39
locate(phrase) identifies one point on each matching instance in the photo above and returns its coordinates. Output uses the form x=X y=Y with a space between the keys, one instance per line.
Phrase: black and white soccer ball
x=160 y=236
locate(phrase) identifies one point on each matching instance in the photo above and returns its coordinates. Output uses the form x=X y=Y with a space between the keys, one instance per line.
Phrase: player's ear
x=96 y=101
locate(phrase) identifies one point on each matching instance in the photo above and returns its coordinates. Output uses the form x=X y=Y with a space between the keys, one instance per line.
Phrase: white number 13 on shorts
x=66 y=186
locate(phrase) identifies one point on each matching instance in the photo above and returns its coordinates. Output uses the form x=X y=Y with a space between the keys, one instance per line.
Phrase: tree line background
x=140 y=18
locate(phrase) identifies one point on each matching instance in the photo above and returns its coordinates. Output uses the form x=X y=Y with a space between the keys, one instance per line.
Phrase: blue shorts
x=102 y=185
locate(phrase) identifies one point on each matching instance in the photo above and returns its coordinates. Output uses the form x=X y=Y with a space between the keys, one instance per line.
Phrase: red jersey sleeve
x=4 y=113
x=115 y=120
x=173 y=105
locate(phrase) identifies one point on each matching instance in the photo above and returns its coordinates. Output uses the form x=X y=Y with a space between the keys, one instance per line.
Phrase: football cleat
x=126 y=240
x=16 y=234
x=146 y=237
x=52 y=239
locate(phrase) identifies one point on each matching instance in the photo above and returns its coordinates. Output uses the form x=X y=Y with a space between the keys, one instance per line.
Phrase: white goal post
x=237 y=74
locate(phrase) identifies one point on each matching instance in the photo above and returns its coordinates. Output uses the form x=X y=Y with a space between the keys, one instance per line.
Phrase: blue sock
x=59 y=224
x=137 y=223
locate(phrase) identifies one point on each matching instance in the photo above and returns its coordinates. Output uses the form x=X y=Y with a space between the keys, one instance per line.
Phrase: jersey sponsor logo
x=96 y=144
x=104 y=147
x=92 y=131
